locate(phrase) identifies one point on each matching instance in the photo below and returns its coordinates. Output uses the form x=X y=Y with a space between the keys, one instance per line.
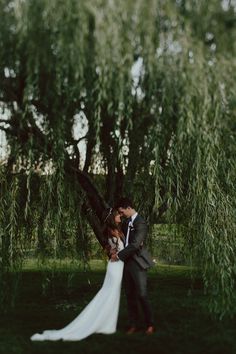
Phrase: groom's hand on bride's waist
x=114 y=257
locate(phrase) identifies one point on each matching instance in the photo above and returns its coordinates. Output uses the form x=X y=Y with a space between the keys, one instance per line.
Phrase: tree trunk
x=94 y=206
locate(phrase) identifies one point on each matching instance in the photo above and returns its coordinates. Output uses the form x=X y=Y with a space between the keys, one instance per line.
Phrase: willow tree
x=140 y=93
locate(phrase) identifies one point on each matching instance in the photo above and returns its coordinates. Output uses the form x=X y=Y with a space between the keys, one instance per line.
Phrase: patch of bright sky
x=80 y=129
x=4 y=114
x=226 y=4
x=137 y=71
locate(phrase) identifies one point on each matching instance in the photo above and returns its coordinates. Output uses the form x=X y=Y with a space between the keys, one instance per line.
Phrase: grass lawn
x=182 y=322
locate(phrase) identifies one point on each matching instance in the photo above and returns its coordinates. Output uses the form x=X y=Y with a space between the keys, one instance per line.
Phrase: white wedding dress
x=101 y=314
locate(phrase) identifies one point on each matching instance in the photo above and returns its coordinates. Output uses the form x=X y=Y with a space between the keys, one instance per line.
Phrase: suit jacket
x=136 y=250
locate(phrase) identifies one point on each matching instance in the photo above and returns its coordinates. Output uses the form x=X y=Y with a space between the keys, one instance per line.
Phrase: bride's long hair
x=109 y=222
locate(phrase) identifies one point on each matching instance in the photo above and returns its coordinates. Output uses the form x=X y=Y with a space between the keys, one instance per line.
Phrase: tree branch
x=7 y=130
x=76 y=141
x=6 y=121
x=8 y=91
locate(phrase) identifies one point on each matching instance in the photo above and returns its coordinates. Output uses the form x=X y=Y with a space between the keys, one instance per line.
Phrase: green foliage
x=164 y=134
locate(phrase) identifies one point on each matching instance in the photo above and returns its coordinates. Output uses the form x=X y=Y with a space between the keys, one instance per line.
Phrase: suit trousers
x=135 y=281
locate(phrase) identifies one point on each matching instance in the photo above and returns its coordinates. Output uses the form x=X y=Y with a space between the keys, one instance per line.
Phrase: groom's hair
x=124 y=203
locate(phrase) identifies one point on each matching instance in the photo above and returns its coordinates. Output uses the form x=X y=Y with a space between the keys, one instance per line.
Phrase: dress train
x=99 y=316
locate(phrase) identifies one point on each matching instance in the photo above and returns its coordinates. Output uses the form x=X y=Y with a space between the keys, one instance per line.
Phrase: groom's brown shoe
x=150 y=330
x=131 y=330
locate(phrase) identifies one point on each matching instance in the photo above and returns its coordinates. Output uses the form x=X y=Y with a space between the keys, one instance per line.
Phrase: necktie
x=128 y=231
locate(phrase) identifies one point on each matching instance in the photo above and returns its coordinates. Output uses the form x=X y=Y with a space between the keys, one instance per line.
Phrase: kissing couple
x=128 y=260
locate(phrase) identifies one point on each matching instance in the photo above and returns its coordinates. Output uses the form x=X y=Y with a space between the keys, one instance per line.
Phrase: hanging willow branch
x=148 y=87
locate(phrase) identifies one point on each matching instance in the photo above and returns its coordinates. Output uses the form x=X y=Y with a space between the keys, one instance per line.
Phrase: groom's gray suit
x=137 y=260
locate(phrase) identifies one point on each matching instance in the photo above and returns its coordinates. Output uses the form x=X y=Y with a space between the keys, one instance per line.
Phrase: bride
x=101 y=314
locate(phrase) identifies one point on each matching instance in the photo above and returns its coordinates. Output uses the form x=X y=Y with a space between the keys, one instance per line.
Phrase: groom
x=136 y=262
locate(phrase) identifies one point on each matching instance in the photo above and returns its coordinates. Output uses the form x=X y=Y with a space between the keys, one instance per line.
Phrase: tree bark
x=95 y=205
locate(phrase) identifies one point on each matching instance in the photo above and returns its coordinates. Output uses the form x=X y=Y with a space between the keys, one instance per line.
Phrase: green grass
x=182 y=321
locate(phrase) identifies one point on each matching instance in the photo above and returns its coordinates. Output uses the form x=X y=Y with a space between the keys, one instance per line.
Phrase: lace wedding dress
x=101 y=314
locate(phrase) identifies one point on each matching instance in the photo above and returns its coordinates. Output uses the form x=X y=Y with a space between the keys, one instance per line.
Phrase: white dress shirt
x=129 y=227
